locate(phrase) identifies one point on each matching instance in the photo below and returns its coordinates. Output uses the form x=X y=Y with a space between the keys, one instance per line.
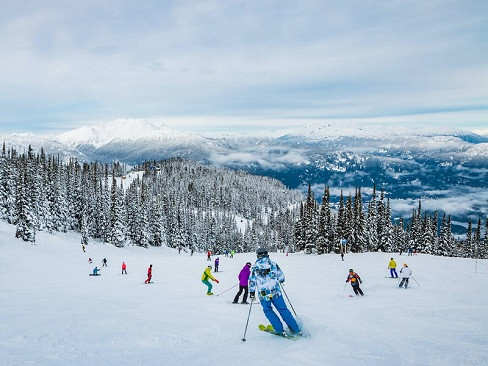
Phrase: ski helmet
x=262 y=252
x=351 y=270
x=209 y=266
x=248 y=264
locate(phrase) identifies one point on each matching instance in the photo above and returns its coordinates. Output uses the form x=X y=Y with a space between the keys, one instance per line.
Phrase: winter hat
x=248 y=264
x=262 y=252
x=405 y=265
x=209 y=266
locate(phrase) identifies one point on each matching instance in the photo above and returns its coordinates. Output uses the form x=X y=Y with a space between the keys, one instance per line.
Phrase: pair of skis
x=269 y=329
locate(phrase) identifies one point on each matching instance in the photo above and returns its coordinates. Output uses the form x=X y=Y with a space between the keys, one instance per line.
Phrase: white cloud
x=280 y=63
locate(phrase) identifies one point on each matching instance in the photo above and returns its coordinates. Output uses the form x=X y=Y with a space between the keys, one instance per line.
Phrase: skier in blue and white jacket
x=265 y=278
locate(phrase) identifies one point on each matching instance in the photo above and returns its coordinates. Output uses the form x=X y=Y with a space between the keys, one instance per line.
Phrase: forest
x=183 y=204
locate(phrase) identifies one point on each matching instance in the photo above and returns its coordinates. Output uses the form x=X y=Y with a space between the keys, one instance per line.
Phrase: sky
x=242 y=64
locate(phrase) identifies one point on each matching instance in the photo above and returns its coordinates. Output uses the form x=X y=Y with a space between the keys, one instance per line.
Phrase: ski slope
x=53 y=313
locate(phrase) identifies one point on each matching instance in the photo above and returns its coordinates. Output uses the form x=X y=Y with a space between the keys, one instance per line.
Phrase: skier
x=227 y=252
x=206 y=275
x=266 y=277
x=392 y=267
x=208 y=255
x=191 y=252
x=149 y=274
x=179 y=250
x=405 y=272
x=232 y=252
x=342 y=253
x=95 y=271
x=355 y=281
x=243 y=283
x=217 y=260
x=104 y=261
x=90 y=260
x=124 y=268
x=83 y=247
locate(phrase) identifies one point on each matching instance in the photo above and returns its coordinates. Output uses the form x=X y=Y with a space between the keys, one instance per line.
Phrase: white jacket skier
x=405 y=274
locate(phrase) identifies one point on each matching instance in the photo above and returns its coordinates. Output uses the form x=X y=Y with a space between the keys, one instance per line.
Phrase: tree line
x=359 y=227
x=183 y=204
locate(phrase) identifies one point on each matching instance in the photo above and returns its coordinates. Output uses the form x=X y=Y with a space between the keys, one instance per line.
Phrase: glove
x=216 y=280
x=252 y=295
x=361 y=282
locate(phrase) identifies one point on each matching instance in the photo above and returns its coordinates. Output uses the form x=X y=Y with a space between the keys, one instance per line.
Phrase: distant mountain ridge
x=447 y=168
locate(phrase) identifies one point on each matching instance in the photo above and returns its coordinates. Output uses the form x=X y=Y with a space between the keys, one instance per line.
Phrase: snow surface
x=53 y=313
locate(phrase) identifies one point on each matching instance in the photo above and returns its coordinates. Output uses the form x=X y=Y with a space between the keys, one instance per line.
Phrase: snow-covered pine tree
x=324 y=222
x=477 y=240
x=484 y=245
x=359 y=242
x=309 y=223
x=340 y=229
x=8 y=178
x=117 y=213
x=348 y=233
x=23 y=202
x=372 y=224
x=468 y=248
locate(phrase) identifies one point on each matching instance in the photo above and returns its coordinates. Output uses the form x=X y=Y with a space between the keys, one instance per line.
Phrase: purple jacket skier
x=243 y=283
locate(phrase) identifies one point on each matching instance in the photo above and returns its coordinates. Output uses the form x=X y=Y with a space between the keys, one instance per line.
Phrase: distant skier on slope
x=95 y=271
x=104 y=262
x=205 y=279
x=243 y=283
x=266 y=277
x=124 y=268
x=405 y=274
x=392 y=267
x=216 y=264
x=355 y=281
x=208 y=255
x=149 y=274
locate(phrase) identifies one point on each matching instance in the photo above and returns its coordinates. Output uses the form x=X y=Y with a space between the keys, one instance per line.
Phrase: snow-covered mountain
x=125 y=130
x=447 y=168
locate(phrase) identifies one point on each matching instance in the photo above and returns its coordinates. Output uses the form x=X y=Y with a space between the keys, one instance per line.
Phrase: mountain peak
x=119 y=130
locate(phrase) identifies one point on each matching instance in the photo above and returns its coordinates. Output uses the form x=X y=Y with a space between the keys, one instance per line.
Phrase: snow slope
x=53 y=313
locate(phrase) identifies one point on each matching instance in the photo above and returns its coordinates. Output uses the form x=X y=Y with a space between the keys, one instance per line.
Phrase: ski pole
x=227 y=290
x=344 y=289
x=247 y=322
x=288 y=300
x=415 y=280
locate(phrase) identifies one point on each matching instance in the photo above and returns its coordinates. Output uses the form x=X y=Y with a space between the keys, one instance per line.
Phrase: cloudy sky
x=236 y=64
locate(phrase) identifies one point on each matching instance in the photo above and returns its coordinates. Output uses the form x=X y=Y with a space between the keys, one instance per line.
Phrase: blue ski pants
x=279 y=304
x=393 y=272
x=209 y=285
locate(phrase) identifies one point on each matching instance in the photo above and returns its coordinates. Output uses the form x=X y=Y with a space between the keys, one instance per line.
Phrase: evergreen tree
x=23 y=202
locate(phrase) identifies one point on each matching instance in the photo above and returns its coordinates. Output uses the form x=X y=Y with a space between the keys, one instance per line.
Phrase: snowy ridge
x=374 y=131
x=123 y=130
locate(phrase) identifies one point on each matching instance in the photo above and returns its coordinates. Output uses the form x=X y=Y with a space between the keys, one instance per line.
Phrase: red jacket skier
x=149 y=274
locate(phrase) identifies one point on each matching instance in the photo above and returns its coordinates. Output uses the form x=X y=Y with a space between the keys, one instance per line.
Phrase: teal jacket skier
x=266 y=277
